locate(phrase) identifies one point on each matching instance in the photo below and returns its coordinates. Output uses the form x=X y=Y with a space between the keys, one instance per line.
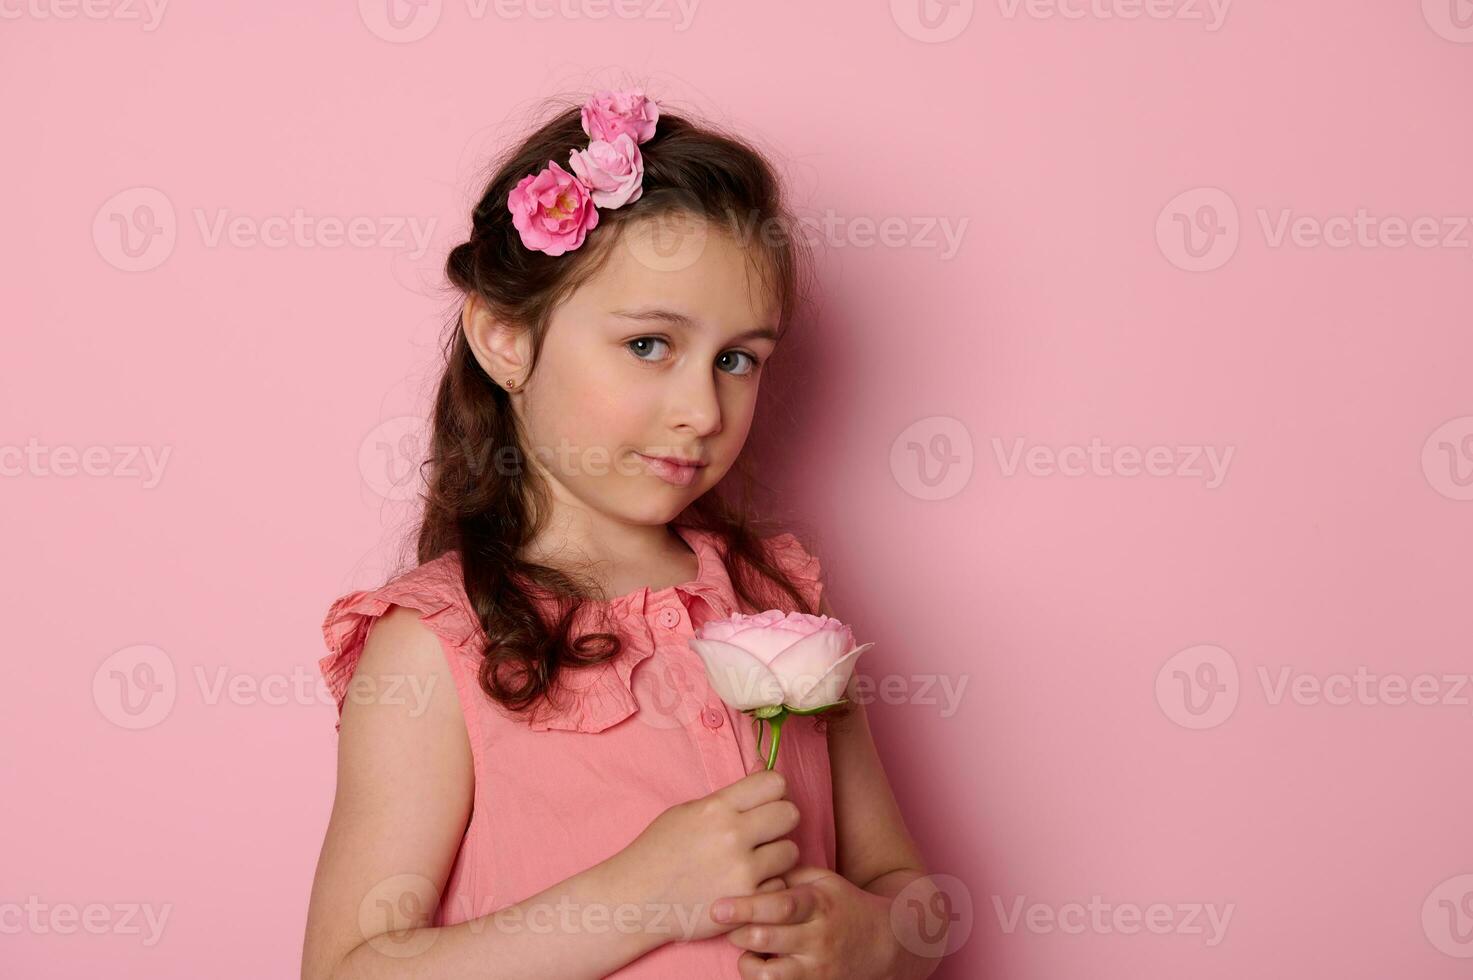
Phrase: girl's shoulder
x=434 y=590
x=788 y=552
x=783 y=549
x=794 y=557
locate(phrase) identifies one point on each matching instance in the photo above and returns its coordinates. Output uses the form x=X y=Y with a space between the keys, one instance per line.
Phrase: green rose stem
x=775 y=715
x=776 y=724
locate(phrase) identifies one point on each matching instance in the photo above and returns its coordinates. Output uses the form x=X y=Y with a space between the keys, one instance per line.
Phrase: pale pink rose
x=777 y=658
x=552 y=210
x=607 y=114
x=611 y=170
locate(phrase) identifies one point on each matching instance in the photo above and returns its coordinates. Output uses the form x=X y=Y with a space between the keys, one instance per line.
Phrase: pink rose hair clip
x=553 y=210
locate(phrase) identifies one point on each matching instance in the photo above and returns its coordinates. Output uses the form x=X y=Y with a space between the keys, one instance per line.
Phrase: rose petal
x=829 y=687
x=740 y=679
x=801 y=665
x=725 y=629
x=765 y=643
x=552 y=210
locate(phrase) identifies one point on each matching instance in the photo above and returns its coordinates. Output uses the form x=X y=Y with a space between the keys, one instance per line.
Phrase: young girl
x=535 y=779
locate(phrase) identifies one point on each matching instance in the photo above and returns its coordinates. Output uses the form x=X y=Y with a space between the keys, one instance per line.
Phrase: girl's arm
x=874 y=849
x=403 y=798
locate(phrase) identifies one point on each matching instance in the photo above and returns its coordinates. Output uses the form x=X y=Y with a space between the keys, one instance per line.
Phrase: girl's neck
x=619 y=561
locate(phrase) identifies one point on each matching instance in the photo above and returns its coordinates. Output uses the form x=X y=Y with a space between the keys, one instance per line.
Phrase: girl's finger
x=776 y=858
x=790 y=905
x=751 y=966
x=770 y=939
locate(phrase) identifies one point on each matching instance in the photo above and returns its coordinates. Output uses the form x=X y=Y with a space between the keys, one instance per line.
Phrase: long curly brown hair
x=487 y=513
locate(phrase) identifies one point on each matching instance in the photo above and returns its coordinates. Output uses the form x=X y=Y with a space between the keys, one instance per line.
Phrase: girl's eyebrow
x=650 y=313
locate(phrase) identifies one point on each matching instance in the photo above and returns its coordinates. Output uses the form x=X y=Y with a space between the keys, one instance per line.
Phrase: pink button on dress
x=635 y=735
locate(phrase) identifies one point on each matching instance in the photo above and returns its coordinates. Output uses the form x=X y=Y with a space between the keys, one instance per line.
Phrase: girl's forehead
x=715 y=281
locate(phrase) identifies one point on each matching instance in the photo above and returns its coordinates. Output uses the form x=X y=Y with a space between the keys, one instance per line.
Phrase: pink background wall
x=1157 y=674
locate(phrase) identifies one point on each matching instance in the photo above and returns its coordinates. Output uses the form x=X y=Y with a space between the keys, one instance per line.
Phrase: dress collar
x=595 y=698
x=711 y=582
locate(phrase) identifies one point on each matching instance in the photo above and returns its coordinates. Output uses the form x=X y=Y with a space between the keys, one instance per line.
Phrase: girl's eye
x=632 y=345
x=741 y=353
x=641 y=346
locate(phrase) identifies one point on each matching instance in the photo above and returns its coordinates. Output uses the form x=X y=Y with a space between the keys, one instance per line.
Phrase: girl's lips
x=672 y=473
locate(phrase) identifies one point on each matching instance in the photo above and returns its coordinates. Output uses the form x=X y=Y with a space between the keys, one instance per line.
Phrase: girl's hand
x=821 y=926
x=730 y=842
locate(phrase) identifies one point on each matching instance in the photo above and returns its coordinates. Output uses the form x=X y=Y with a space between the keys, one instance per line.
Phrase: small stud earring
x=510 y=383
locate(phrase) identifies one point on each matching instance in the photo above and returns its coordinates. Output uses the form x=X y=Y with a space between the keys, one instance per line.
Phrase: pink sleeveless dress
x=566 y=790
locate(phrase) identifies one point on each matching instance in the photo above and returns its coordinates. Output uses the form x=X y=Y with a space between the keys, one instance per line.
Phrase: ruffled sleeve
x=803 y=568
x=431 y=589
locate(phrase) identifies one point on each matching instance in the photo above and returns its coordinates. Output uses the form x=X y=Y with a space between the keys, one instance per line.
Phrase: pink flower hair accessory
x=553 y=210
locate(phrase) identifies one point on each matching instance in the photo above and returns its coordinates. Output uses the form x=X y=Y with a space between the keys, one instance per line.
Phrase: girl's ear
x=502 y=349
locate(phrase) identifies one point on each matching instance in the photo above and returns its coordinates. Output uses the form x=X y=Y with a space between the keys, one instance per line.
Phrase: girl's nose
x=697 y=404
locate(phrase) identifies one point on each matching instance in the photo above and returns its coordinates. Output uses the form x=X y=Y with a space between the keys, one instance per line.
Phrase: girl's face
x=649 y=358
